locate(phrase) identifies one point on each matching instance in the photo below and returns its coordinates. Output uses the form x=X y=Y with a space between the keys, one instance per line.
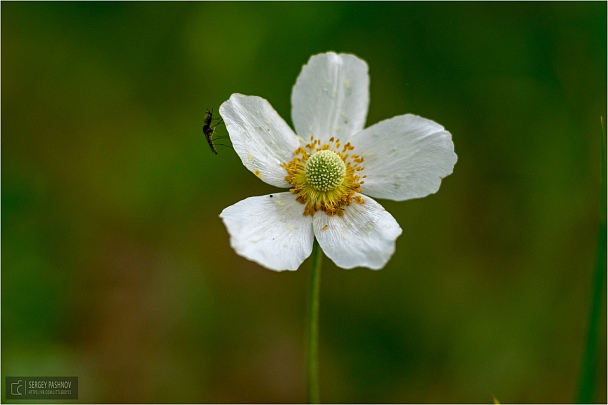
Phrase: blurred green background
x=117 y=269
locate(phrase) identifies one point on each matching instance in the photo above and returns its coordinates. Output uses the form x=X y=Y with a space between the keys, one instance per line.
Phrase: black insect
x=209 y=130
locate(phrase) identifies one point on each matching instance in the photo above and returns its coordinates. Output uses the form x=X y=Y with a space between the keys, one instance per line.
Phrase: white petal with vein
x=364 y=237
x=270 y=230
x=405 y=157
x=260 y=137
x=331 y=97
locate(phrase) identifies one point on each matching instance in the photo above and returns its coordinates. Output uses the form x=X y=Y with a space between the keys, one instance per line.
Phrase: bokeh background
x=117 y=269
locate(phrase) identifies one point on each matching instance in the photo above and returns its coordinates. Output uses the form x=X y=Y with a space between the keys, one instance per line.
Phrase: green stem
x=312 y=358
x=589 y=363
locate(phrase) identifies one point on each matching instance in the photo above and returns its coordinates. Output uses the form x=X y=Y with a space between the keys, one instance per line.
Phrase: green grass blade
x=589 y=363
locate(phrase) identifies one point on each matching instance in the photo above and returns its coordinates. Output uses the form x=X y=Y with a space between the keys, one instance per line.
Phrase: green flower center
x=325 y=170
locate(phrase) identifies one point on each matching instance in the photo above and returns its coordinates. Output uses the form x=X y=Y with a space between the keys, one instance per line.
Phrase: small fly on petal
x=209 y=130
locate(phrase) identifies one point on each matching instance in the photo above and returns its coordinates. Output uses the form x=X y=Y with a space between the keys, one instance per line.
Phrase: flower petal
x=364 y=237
x=331 y=97
x=271 y=230
x=405 y=157
x=260 y=137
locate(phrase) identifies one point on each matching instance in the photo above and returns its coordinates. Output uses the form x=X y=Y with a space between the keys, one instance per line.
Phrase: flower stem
x=589 y=364
x=312 y=357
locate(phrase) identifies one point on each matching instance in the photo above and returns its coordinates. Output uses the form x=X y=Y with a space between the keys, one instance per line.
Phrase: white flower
x=332 y=167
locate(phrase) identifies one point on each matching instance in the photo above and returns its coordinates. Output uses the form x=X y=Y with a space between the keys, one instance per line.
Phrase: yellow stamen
x=329 y=181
